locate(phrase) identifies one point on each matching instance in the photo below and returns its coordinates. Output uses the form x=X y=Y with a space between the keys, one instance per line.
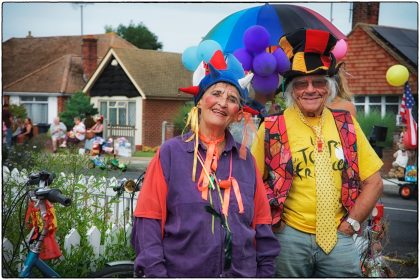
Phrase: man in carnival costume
x=321 y=174
x=202 y=211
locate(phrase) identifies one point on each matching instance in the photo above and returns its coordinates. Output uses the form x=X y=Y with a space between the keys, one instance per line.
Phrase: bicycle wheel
x=115 y=271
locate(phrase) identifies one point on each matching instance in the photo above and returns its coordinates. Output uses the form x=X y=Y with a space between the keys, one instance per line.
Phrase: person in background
x=27 y=131
x=18 y=128
x=7 y=118
x=95 y=131
x=58 y=132
x=214 y=222
x=76 y=135
x=321 y=175
x=343 y=99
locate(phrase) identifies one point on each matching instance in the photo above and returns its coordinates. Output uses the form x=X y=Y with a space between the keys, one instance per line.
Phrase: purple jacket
x=189 y=248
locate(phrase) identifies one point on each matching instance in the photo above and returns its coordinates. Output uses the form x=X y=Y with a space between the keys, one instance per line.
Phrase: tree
x=18 y=111
x=77 y=106
x=139 y=35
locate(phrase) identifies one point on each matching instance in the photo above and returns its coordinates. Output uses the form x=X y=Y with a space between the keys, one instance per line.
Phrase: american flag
x=407 y=117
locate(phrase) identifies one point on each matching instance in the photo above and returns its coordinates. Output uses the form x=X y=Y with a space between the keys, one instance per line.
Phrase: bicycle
x=39 y=196
x=124 y=268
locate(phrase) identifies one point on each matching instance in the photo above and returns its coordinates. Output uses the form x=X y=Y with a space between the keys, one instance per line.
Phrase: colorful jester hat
x=309 y=52
x=217 y=70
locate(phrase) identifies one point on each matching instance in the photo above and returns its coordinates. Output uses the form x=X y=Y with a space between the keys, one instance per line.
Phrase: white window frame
x=116 y=102
x=33 y=101
x=368 y=104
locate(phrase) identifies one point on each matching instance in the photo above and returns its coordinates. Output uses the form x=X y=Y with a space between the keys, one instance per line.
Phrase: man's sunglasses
x=317 y=83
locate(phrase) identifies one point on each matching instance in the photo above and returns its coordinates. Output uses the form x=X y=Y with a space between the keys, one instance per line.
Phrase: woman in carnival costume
x=202 y=210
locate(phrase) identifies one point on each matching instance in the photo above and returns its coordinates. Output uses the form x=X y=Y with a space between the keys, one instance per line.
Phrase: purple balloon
x=256 y=39
x=244 y=57
x=264 y=64
x=283 y=62
x=265 y=85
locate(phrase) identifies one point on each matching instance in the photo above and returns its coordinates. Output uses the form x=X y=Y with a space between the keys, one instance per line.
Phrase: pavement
x=135 y=163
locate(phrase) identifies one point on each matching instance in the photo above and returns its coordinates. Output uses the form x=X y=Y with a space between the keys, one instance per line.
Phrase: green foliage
x=137 y=34
x=144 y=154
x=84 y=212
x=77 y=106
x=180 y=118
x=278 y=99
x=374 y=118
x=18 y=111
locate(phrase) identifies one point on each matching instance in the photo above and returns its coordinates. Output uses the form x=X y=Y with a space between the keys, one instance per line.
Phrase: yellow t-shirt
x=300 y=206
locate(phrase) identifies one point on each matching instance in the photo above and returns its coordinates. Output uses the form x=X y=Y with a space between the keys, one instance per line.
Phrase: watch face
x=356 y=226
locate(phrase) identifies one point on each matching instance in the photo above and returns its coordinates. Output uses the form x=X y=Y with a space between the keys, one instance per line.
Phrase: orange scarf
x=210 y=164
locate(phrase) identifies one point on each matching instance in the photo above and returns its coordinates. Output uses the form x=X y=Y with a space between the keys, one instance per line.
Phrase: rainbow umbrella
x=278 y=19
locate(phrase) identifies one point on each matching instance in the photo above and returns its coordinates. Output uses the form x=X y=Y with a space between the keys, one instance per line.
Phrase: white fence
x=119 y=216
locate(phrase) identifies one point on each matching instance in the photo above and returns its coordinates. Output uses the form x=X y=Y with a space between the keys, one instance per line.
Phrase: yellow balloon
x=397 y=75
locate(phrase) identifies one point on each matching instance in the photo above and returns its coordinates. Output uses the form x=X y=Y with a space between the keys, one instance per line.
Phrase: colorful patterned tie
x=326 y=231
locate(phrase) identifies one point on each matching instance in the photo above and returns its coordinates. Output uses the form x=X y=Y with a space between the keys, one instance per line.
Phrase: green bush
x=77 y=106
x=18 y=111
x=180 y=118
x=367 y=122
x=82 y=214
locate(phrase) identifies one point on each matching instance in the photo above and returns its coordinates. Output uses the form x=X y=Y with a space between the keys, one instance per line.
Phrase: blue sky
x=177 y=25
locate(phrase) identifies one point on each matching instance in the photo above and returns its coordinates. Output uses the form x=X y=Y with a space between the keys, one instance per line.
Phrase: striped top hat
x=309 y=52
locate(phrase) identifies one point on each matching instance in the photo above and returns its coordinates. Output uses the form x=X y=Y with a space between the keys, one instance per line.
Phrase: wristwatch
x=354 y=224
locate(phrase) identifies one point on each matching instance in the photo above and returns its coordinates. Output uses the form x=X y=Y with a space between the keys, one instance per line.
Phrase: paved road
x=401 y=246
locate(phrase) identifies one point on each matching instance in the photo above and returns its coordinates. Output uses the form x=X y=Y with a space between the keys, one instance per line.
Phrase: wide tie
x=326 y=230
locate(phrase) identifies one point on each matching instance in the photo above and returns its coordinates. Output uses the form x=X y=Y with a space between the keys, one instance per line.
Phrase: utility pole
x=81 y=20
x=331 y=12
x=81 y=5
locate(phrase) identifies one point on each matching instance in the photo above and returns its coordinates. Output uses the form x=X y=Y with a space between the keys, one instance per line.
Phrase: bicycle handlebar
x=53 y=195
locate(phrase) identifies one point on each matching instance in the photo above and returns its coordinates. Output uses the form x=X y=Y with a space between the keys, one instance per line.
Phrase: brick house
x=369 y=56
x=42 y=72
x=139 y=88
x=372 y=49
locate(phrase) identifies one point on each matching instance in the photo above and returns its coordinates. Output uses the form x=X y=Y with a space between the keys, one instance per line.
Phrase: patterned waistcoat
x=279 y=164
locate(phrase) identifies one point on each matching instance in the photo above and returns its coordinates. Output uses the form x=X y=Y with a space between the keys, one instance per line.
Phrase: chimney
x=365 y=12
x=89 y=56
x=29 y=34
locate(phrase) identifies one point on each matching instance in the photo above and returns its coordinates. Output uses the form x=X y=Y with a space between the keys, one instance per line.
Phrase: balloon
x=264 y=64
x=340 y=49
x=397 y=75
x=283 y=62
x=244 y=57
x=207 y=48
x=256 y=39
x=235 y=66
x=265 y=85
x=190 y=59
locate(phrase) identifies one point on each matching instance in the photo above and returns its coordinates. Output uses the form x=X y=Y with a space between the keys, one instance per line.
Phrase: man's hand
x=346 y=228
